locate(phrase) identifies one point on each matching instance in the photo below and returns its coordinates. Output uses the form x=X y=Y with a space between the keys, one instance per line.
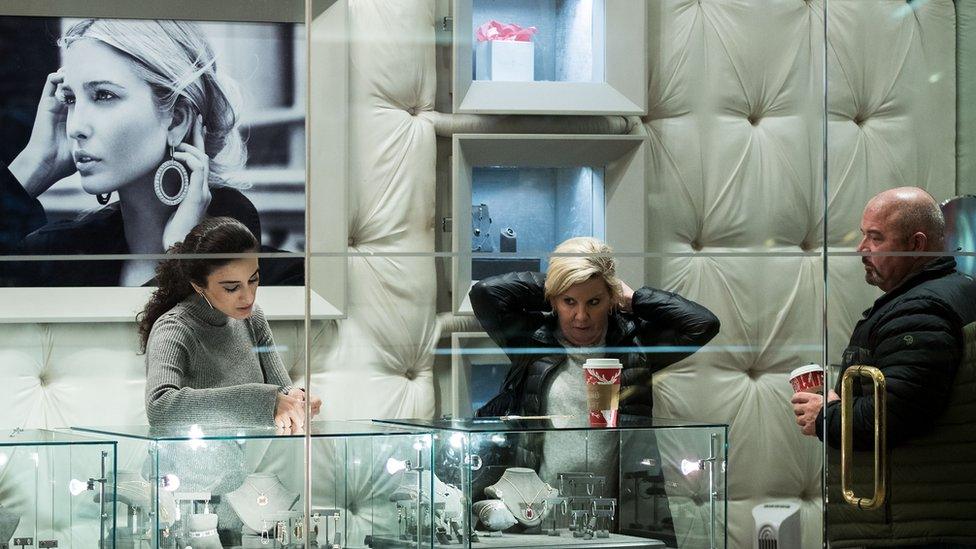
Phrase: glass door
x=900 y=302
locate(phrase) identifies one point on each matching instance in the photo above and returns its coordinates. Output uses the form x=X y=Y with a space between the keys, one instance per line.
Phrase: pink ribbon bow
x=493 y=30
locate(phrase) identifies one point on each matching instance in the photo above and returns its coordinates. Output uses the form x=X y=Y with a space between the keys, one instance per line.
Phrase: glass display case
x=524 y=194
x=218 y=487
x=549 y=57
x=55 y=490
x=556 y=481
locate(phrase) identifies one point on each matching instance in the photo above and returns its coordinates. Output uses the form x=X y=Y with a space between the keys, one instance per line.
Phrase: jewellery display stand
x=515 y=498
x=513 y=490
x=261 y=496
x=355 y=465
x=56 y=490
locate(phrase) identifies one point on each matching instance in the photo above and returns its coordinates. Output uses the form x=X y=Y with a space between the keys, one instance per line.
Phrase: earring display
x=323 y=526
x=559 y=510
x=604 y=511
x=447 y=512
x=166 y=192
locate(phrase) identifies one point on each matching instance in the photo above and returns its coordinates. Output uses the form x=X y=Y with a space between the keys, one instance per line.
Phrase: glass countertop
x=330 y=428
x=43 y=437
x=516 y=424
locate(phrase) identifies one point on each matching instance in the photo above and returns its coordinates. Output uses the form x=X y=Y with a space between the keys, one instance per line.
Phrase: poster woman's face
x=118 y=135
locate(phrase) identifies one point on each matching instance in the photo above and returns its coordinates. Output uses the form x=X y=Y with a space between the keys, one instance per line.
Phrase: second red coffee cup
x=808 y=379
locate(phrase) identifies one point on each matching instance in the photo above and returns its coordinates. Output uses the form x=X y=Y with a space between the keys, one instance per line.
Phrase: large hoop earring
x=103 y=198
x=171 y=164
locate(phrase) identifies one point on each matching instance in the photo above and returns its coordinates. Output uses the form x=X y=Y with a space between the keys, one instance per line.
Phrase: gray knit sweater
x=205 y=367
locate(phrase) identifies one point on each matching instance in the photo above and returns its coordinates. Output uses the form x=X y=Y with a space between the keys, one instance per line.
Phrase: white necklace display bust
x=524 y=493
x=261 y=495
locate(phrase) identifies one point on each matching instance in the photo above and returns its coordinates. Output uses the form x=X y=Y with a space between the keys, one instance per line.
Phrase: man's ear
x=180 y=124
x=919 y=242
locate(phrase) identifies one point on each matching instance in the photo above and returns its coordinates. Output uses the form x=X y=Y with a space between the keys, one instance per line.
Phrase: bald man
x=916 y=334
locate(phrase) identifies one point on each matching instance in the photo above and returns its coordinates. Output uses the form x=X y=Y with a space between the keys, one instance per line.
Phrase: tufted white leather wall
x=735 y=202
x=736 y=128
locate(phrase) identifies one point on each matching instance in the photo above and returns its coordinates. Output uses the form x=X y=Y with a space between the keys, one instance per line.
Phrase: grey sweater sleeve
x=275 y=372
x=170 y=402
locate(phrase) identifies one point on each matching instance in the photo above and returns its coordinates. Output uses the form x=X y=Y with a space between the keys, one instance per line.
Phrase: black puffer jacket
x=922 y=336
x=662 y=329
x=913 y=334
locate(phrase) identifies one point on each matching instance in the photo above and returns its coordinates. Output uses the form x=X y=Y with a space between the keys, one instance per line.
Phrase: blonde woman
x=550 y=324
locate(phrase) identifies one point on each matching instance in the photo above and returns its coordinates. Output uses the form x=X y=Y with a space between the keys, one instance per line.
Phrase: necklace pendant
x=528 y=513
x=262 y=500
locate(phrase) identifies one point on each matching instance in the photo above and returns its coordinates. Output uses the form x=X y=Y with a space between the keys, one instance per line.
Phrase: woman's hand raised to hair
x=193 y=209
x=626 y=300
x=47 y=156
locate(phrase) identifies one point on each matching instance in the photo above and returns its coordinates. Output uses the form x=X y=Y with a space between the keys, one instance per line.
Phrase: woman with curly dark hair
x=210 y=356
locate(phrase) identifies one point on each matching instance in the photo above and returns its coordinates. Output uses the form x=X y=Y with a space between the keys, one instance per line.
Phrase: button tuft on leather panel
x=410 y=374
x=860 y=119
x=696 y=245
x=754 y=119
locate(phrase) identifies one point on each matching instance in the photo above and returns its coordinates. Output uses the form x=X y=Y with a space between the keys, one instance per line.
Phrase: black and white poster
x=91 y=110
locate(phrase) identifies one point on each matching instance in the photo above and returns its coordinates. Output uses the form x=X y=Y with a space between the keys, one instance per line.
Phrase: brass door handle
x=847 y=437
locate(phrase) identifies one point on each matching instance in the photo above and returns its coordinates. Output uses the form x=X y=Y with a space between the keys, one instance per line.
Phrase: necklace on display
x=528 y=513
x=262 y=497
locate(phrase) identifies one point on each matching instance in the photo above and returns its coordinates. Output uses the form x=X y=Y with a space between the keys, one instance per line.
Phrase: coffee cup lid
x=602 y=363
x=805 y=370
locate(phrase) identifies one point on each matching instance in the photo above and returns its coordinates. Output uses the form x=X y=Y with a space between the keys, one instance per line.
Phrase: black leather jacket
x=662 y=329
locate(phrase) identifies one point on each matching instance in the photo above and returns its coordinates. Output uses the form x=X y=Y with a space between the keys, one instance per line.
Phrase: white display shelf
x=572 y=77
x=621 y=159
x=61 y=305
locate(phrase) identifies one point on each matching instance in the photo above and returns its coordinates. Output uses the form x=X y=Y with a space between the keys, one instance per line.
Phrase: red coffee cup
x=602 y=377
x=808 y=379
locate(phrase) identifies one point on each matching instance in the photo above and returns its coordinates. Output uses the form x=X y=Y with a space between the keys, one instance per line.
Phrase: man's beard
x=871 y=276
